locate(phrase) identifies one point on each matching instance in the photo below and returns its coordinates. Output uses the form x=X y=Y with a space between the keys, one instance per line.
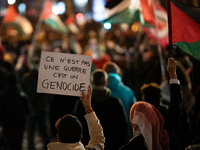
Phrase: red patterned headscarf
x=150 y=123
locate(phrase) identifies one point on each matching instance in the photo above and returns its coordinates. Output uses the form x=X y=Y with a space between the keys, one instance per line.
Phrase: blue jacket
x=122 y=92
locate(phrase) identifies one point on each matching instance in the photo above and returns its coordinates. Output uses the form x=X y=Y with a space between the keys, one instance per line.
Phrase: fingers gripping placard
x=65 y=74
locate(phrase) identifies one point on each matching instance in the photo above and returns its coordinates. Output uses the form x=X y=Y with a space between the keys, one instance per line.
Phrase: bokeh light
x=22 y=8
x=107 y=25
x=79 y=16
x=10 y=2
x=134 y=27
x=80 y=3
x=55 y=9
x=98 y=10
x=31 y=12
x=61 y=6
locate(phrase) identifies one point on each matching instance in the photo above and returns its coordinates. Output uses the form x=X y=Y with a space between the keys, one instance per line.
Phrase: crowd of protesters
x=123 y=75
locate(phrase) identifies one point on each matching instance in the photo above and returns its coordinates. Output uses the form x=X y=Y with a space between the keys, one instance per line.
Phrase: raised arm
x=86 y=100
x=97 y=139
x=173 y=117
x=171 y=68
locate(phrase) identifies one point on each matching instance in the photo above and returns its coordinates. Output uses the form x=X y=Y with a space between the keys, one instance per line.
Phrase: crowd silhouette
x=125 y=81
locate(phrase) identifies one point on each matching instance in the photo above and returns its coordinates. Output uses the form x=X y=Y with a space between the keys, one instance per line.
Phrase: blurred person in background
x=150 y=130
x=38 y=118
x=109 y=110
x=14 y=108
x=119 y=90
x=144 y=68
x=151 y=93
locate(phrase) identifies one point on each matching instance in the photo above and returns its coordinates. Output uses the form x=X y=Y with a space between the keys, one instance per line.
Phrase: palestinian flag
x=147 y=17
x=161 y=32
x=129 y=11
x=70 y=22
x=16 y=24
x=52 y=20
x=121 y=11
x=185 y=28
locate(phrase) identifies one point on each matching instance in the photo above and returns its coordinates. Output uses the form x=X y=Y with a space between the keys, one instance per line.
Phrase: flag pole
x=37 y=28
x=169 y=21
x=169 y=27
x=158 y=43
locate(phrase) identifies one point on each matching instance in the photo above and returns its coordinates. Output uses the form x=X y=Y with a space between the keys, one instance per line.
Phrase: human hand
x=188 y=148
x=171 y=68
x=86 y=99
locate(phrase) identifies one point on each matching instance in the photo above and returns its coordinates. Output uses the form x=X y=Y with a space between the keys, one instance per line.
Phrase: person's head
x=151 y=93
x=111 y=67
x=146 y=119
x=99 y=77
x=69 y=129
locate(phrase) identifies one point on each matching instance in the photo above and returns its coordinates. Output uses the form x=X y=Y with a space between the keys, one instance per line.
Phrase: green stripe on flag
x=15 y=26
x=126 y=16
x=190 y=48
x=54 y=24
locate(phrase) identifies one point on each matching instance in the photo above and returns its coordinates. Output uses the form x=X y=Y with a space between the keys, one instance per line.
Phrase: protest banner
x=64 y=74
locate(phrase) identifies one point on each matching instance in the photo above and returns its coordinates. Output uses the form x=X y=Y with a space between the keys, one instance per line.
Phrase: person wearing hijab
x=150 y=130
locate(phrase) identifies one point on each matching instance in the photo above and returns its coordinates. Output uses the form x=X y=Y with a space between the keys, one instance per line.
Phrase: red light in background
x=31 y=12
x=79 y=16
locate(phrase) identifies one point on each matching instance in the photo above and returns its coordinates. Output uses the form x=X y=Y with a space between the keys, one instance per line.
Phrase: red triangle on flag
x=184 y=28
x=47 y=11
x=11 y=14
x=147 y=11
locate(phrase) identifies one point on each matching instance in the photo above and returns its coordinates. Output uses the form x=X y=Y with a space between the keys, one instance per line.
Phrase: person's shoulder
x=136 y=143
x=115 y=101
x=125 y=89
x=125 y=86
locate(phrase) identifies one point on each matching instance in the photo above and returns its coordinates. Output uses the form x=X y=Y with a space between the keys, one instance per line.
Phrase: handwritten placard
x=64 y=74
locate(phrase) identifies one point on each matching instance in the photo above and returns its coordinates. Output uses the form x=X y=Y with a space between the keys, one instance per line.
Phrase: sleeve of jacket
x=175 y=108
x=173 y=117
x=97 y=139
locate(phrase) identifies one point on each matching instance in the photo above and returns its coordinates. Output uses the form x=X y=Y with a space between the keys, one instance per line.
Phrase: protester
x=14 y=108
x=187 y=104
x=39 y=106
x=151 y=93
x=149 y=129
x=193 y=138
x=59 y=106
x=119 y=90
x=97 y=50
x=69 y=129
x=145 y=67
x=109 y=111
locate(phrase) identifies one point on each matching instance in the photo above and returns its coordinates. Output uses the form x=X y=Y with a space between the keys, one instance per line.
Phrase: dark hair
x=152 y=93
x=69 y=129
x=99 y=77
x=111 y=67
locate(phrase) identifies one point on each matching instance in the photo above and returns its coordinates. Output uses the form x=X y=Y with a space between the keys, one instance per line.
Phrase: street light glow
x=22 y=8
x=107 y=25
x=11 y=2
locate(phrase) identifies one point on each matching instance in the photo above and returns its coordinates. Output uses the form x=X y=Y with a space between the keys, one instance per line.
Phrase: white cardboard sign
x=64 y=74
